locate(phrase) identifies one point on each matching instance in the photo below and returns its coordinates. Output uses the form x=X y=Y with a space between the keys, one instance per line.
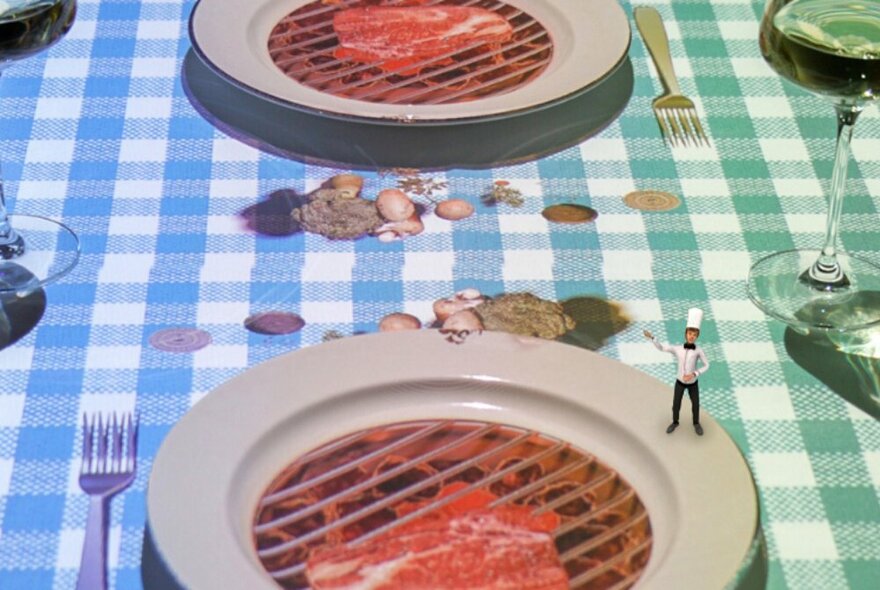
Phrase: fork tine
x=117 y=444
x=695 y=121
x=103 y=434
x=673 y=125
x=133 y=423
x=686 y=127
x=86 y=465
x=664 y=130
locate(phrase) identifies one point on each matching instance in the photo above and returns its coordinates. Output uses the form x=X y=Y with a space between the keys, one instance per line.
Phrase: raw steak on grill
x=398 y=36
x=503 y=548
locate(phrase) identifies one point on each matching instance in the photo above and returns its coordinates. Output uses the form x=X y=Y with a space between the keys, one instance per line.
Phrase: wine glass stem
x=11 y=243
x=826 y=271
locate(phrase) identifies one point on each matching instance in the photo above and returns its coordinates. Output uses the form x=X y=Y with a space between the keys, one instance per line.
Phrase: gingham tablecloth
x=98 y=132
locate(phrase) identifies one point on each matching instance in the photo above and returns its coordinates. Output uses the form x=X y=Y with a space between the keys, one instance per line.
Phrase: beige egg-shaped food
x=347 y=184
x=454 y=209
x=463 y=320
x=395 y=322
x=394 y=205
x=444 y=308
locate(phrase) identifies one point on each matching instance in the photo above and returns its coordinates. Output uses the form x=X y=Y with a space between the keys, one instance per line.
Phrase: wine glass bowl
x=830 y=48
x=34 y=250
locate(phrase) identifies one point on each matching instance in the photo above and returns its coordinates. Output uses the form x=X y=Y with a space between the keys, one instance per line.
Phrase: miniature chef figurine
x=687 y=355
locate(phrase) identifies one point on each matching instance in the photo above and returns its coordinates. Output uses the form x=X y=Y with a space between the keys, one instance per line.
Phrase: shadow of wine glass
x=19 y=314
x=847 y=362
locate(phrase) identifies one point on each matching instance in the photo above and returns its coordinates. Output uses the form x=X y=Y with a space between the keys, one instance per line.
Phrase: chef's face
x=691 y=335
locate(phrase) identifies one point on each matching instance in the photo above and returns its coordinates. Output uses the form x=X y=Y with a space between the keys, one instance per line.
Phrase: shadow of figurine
x=271 y=217
x=597 y=320
x=854 y=377
x=19 y=314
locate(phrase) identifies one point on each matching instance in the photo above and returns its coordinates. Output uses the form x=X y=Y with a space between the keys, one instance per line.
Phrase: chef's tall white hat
x=695 y=318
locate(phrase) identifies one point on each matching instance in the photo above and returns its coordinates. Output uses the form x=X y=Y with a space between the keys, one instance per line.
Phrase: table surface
x=99 y=132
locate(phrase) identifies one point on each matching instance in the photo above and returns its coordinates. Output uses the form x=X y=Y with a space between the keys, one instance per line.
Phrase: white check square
x=11 y=410
x=725 y=265
x=428 y=266
x=627 y=265
x=528 y=265
x=50 y=150
x=158 y=29
x=148 y=107
x=119 y=314
x=804 y=540
x=789 y=470
x=764 y=402
x=58 y=108
x=143 y=150
x=113 y=357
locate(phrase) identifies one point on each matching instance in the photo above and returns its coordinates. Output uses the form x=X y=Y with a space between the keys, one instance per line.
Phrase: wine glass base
x=777 y=285
x=51 y=250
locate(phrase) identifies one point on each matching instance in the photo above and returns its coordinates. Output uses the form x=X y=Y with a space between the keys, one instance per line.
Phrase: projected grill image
x=452 y=504
x=414 y=52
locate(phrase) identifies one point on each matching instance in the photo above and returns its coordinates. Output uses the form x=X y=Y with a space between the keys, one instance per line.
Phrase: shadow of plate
x=297 y=134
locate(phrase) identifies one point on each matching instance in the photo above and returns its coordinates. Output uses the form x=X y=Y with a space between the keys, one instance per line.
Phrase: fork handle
x=93 y=567
x=654 y=33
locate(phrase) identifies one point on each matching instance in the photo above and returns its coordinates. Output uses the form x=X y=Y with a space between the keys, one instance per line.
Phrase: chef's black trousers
x=693 y=390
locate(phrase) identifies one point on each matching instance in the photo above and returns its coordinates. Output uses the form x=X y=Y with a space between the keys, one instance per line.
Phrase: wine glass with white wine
x=34 y=250
x=830 y=48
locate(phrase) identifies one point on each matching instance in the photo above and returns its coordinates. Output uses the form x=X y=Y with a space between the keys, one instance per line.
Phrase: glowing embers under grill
x=303 y=45
x=370 y=482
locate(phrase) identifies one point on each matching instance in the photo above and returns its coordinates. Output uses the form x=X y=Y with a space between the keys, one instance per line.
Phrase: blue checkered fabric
x=99 y=132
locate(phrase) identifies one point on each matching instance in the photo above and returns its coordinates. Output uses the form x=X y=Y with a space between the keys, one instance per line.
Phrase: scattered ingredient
x=411 y=183
x=525 y=314
x=454 y=209
x=464 y=299
x=651 y=200
x=395 y=322
x=502 y=192
x=460 y=325
x=348 y=185
x=180 y=339
x=332 y=335
x=394 y=230
x=569 y=213
x=334 y=215
x=394 y=205
x=274 y=323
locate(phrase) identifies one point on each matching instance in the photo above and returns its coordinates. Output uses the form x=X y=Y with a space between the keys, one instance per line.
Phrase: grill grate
x=303 y=43
x=366 y=484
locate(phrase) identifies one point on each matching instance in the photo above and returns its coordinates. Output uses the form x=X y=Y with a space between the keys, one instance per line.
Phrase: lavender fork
x=105 y=472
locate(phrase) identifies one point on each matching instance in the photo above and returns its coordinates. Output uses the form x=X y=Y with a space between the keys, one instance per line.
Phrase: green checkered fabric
x=794 y=405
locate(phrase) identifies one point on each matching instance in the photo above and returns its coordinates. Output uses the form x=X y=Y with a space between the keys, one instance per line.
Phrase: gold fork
x=675 y=113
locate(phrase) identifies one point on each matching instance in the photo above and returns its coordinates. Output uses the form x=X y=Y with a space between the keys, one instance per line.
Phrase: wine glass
x=34 y=250
x=831 y=48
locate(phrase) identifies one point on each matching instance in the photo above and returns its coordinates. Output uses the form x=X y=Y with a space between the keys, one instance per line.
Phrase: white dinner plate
x=591 y=38
x=216 y=463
